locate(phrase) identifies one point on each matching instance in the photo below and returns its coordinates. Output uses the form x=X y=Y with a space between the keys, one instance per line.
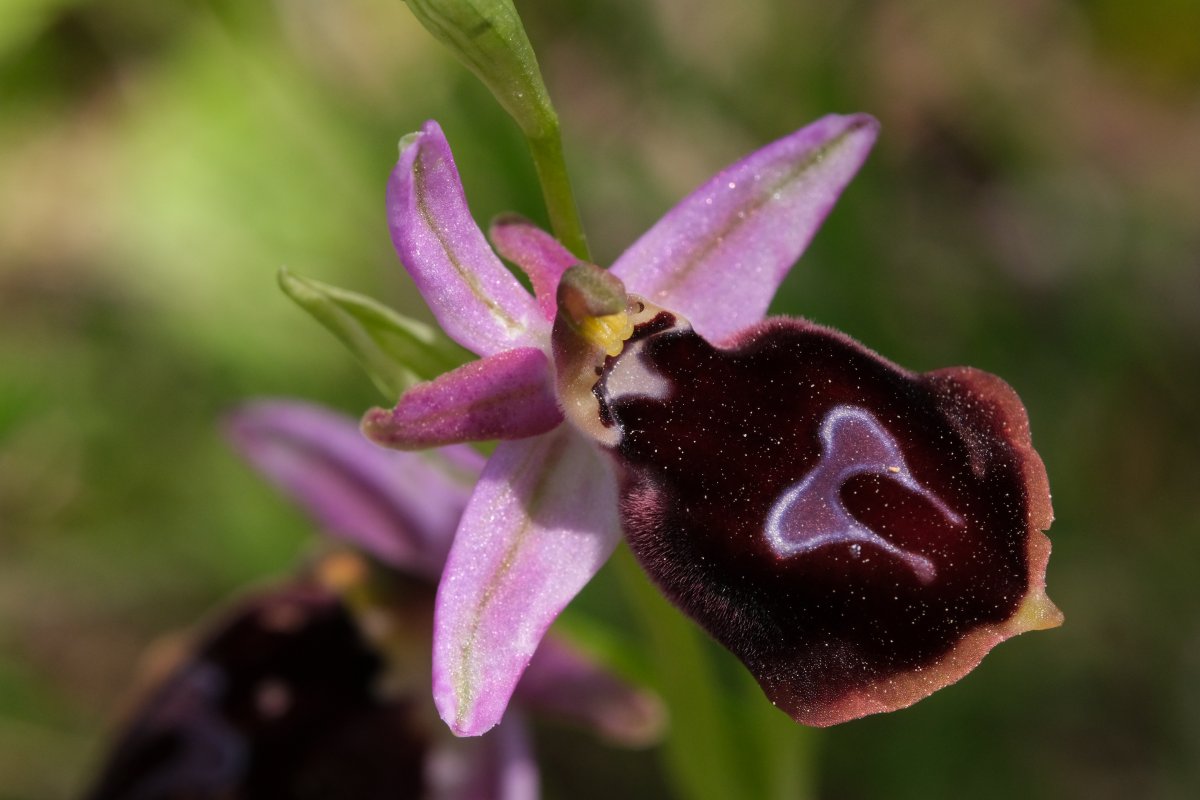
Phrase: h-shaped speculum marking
x=811 y=514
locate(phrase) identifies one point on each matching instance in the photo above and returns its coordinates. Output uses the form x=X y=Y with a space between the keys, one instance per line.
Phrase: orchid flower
x=857 y=534
x=315 y=688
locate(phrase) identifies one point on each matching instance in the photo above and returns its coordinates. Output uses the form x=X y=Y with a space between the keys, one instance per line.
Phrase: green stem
x=700 y=755
x=547 y=150
x=725 y=739
x=785 y=752
x=488 y=37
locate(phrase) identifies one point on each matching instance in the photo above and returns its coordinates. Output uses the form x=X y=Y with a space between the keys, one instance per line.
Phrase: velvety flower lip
x=857 y=534
x=541 y=522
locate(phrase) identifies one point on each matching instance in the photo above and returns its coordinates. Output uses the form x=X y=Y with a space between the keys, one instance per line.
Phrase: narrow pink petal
x=499 y=766
x=478 y=302
x=542 y=521
x=509 y=395
x=402 y=508
x=719 y=256
x=537 y=253
x=561 y=682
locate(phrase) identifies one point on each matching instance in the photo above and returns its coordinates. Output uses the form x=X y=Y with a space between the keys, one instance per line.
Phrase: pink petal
x=477 y=302
x=542 y=521
x=402 y=508
x=505 y=396
x=719 y=256
x=563 y=683
x=537 y=253
x=499 y=766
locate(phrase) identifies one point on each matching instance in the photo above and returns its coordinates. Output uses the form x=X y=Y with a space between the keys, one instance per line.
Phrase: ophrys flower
x=858 y=534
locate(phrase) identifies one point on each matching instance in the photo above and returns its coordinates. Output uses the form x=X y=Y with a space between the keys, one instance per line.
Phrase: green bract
x=487 y=36
x=395 y=351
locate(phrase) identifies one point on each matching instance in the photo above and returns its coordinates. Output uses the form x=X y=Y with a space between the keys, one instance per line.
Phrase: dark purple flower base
x=859 y=535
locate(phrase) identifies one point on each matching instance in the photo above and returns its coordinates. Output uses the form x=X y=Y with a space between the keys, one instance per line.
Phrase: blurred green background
x=1032 y=208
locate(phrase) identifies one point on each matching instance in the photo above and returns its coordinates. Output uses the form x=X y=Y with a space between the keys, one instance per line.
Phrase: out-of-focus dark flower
x=280 y=698
x=318 y=688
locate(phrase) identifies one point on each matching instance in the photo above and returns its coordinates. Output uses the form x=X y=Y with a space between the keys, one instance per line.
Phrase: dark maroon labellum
x=859 y=535
x=279 y=701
